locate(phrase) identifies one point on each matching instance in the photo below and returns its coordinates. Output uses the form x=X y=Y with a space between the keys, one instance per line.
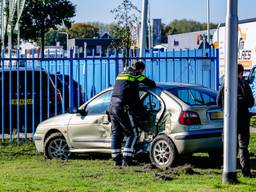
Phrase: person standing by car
x=245 y=100
x=125 y=104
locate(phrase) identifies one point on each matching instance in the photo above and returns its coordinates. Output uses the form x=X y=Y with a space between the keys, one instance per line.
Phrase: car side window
x=151 y=103
x=100 y=104
x=194 y=96
x=252 y=76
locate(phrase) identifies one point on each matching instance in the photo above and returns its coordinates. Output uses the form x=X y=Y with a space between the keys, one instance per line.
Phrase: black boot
x=118 y=160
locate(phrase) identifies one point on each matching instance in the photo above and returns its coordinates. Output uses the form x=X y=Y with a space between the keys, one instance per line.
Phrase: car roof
x=168 y=85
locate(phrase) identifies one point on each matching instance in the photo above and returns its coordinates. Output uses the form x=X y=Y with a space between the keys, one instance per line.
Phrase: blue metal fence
x=34 y=89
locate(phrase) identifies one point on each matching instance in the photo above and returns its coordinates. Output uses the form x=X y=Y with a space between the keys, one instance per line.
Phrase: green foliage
x=184 y=26
x=83 y=30
x=53 y=36
x=39 y=16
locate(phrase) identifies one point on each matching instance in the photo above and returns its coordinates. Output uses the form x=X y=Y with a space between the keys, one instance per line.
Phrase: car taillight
x=189 y=118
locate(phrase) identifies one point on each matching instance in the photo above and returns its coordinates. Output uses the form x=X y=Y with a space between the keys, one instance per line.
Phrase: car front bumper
x=39 y=142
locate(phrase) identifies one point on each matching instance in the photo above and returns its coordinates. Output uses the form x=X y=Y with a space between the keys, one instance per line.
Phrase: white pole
x=144 y=14
x=3 y=22
x=208 y=21
x=10 y=28
x=18 y=25
x=230 y=94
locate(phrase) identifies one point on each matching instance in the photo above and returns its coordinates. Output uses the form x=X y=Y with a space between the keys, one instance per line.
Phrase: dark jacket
x=126 y=87
x=245 y=100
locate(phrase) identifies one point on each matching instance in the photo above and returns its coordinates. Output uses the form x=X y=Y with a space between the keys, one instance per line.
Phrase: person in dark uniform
x=245 y=100
x=125 y=103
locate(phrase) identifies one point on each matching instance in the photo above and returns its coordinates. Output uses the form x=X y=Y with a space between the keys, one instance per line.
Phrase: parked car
x=77 y=90
x=10 y=84
x=252 y=82
x=179 y=119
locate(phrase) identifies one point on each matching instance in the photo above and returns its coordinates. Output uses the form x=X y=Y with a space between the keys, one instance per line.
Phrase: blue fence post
x=173 y=60
x=152 y=63
x=195 y=66
x=33 y=92
x=63 y=85
x=48 y=83
x=26 y=98
x=123 y=58
x=40 y=86
x=78 y=81
x=56 y=84
x=108 y=69
x=188 y=60
x=117 y=63
x=217 y=65
x=93 y=91
x=3 y=107
x=71 y=84
x=166 y=66
x=10 y=95
x=18 y=96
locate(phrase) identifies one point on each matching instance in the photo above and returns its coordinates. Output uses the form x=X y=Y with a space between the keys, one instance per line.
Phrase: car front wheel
x=56 y=147
x=162 y=152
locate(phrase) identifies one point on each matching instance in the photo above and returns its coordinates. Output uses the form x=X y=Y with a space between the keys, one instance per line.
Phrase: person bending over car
x=125 y=104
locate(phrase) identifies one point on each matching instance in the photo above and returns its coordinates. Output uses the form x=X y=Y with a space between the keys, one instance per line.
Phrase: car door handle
x=105 y=122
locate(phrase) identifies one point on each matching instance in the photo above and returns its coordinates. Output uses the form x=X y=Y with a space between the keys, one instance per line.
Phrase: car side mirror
x=82 y=112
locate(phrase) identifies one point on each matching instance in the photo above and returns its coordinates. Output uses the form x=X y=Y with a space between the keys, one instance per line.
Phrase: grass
x=22 y=169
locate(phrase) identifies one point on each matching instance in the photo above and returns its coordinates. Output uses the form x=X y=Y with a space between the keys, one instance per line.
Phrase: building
x=157 y=34
x=191 y=40
x=90 y=46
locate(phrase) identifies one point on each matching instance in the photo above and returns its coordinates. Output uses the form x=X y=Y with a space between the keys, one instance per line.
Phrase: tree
x=83 y=30
x=126 y=21
x=41 y=15
x=184 y=26
x=53 y=36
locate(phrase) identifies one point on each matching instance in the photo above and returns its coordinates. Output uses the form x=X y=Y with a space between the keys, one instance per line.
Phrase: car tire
x=56 y=147
x=162 y=152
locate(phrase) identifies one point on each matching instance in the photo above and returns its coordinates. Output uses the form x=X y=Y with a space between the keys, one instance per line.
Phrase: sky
x=167 y=10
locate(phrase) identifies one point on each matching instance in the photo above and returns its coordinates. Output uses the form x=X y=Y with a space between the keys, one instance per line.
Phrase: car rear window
x=195 y=96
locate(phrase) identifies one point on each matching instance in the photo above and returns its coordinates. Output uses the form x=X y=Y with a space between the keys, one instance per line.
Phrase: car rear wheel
x=162 y=152
x=56 y=147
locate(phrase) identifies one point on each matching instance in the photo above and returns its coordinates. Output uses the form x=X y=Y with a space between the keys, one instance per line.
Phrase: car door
x=93 y=130
x=154 y=109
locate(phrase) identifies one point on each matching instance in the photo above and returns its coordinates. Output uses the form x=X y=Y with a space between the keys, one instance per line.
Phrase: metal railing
x=33 y=89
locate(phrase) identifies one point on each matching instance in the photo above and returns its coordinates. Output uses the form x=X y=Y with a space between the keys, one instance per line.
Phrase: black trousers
x=123 y=124
x=243 y=143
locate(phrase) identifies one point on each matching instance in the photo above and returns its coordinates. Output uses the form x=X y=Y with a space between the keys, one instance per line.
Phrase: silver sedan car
x=178 y=119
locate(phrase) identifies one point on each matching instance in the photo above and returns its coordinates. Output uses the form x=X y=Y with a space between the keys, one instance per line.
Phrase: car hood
x=60 y=120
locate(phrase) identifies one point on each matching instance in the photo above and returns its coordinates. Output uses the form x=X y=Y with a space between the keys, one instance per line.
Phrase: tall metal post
x=2 y=22
x=208 y=21
x=144 y=14
x=230 y=94
x=10 y=27
x=18 y=25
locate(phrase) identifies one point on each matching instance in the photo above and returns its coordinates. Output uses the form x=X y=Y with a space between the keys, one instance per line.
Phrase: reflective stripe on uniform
x=116 y=150
x=128 y=150
x=141 y=78
x=126 y=154
x=129 y=77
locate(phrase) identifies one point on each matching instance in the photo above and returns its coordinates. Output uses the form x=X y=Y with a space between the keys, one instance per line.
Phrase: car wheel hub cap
x=58 y=148
x=162 y=152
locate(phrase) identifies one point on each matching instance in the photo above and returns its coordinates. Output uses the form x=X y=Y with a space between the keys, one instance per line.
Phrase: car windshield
x=195 y=96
